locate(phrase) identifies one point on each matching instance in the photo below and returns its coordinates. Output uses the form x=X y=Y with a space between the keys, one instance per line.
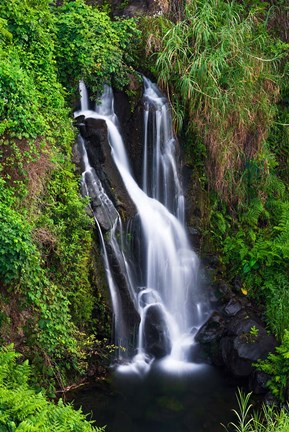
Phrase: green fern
x=255 y=210
x=277 y=366
x=22 y=409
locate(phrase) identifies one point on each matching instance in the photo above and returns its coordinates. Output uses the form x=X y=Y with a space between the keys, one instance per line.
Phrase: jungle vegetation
x=224 y=65
x=51 y=298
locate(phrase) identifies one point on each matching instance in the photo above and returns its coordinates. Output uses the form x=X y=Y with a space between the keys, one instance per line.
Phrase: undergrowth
x=218 y=67
x=23 y=409
x=267 y=419
x=47 y=269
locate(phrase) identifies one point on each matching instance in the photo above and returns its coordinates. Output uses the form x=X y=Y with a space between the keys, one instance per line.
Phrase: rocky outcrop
x=235 y=338
x=94 y=131
x=130 y=113
x=108 y=197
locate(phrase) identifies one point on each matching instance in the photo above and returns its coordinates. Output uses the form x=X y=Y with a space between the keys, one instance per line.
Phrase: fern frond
x=255 y=210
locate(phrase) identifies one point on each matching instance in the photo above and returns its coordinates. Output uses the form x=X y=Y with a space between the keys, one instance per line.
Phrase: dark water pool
x=195 y=400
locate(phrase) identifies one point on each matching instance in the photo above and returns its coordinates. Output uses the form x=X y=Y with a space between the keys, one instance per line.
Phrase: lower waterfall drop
x=165 y=293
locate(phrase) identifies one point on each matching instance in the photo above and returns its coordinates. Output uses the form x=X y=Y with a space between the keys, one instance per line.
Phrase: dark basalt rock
x=94 y=131
x=209 y=337
x=235 y=338
x=157 y=343
x=132 y=127
x=212 y=330
x=233 y=307
x=258 y=382
x=240 y=352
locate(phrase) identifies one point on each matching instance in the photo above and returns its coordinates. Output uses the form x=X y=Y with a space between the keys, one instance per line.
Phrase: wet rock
x=242 y=323
x=103 y=209
x=237 y=285
x=132 y=127
x=258 y=382
x=209 y=337
x=235 y=338
x=224 y=291
x=108 y=197
x=99 y=153
x=271 y=400
x=76 y=158
x=211 y=260
x=157 y=341
x=195 y=237
x=212 y=330
x=233 y=307
x=130 y=317
x=241 y=352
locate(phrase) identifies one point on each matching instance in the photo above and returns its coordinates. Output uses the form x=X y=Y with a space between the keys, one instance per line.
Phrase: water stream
x=166 y=291
x=161 y=371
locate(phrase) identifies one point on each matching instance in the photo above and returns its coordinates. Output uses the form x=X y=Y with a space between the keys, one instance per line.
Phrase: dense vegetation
x=51 y=305
x=22 y=409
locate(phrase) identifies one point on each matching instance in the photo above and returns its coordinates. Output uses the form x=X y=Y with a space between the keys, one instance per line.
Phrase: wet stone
x=212 y=330
x=232 y=308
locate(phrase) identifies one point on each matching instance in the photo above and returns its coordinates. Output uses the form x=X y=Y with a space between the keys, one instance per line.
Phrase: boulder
x=212 y=330
x=235 y=338
x=233 y=307
x=258 y=382
x=156 y=335
x=209 y=337
x=241 y=351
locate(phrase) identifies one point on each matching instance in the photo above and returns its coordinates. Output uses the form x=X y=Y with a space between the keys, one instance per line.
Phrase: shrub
x=92 y=47
x=277 y=366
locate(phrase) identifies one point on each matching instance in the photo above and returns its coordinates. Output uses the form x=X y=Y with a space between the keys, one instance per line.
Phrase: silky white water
x=163 y=283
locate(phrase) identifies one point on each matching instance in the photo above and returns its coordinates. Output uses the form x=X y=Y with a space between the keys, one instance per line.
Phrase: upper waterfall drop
x=160 y=176
x=84 y=100
x=165 y=292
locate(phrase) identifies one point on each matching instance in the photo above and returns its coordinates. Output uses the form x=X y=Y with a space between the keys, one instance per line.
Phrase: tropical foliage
x=225 y=69
x=22 y=409
x=91 y=46
x=49 y=288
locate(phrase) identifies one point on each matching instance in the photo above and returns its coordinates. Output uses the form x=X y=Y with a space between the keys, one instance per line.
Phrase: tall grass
x=218 y=65
x=268 y=419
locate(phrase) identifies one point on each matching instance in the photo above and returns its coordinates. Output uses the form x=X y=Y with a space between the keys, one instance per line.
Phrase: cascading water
x=163 y=280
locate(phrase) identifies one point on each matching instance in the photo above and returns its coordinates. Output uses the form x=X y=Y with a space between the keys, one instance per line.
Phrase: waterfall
x=84 y=100
x=162 y=280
